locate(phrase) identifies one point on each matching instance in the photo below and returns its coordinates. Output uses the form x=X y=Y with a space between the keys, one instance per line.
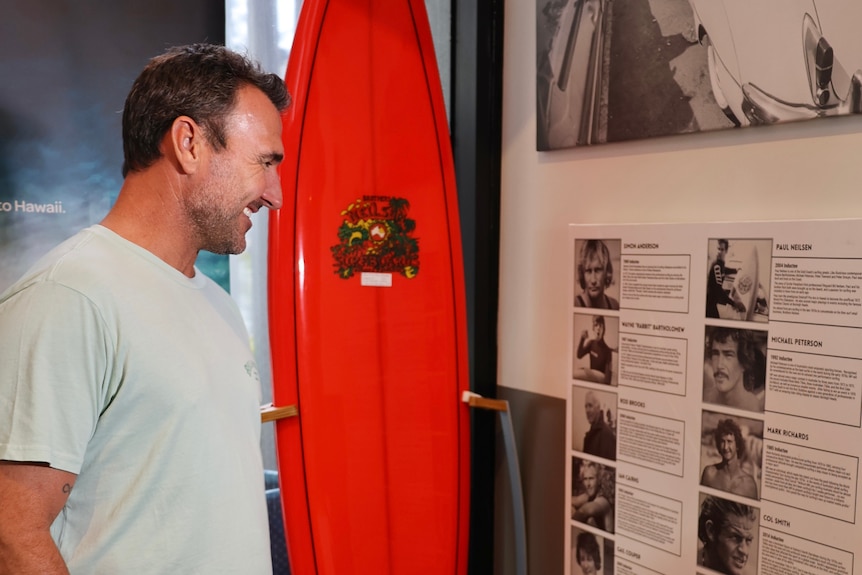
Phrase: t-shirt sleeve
x=53 y=367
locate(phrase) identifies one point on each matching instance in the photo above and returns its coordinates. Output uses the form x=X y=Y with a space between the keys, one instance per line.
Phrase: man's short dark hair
x=716 y=510
x=200 y=81
x=730 y=427
x=746 y=350
x=724 y=242
x=589 y=545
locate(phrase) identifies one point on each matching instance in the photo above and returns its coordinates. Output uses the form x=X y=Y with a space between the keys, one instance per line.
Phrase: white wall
x=793 y=171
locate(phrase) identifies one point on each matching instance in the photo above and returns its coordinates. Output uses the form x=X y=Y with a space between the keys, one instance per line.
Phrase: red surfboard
x=366 y=300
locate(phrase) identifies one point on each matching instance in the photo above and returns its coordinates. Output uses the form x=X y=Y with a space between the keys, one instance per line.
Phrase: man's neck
x=730 y=466
x=736 y=394
x=148 y=214
x=598 y=300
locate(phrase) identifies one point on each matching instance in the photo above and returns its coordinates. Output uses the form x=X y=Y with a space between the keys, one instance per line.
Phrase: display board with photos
x=714 y=413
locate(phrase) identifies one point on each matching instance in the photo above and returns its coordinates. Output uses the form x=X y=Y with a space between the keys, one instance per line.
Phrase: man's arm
x=577 y=501
x=31 y=496
x=595 y=508
x=708 y=476
x=583 y=344
x=609 y=368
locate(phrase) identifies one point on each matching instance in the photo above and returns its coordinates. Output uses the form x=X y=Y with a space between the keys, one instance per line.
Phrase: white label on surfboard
x=375 y=279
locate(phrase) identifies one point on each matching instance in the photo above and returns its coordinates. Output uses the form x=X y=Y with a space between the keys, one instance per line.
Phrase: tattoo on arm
x=67 y=488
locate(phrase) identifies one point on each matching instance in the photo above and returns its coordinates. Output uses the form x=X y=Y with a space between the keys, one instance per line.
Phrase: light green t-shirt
x=117 y=367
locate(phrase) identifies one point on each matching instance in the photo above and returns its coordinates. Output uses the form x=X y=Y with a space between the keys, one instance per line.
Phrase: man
x=715 y=294
x=600 y=440
x=601 y=354
x=592 y=506
x=129 y=399
x=733 y=376
x=726 y=529
x=595 y=275
x=728 y=474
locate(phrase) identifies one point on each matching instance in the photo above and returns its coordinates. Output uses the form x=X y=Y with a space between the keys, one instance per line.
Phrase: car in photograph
x=569 y=73
x=776 y=61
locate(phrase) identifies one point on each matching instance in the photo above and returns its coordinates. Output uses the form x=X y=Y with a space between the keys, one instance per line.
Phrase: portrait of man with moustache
x=735 y=368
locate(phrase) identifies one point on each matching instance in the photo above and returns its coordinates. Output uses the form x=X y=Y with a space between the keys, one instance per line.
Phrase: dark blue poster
x=66 y=67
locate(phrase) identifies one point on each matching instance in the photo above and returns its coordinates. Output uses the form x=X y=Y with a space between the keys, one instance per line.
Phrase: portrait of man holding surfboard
x=737 y=279
x=129 y=396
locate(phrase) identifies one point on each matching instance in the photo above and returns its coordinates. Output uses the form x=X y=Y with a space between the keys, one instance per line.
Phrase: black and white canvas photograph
x=593 y=494
x=731 y=454
x=594 y=422
x=734 y=368
x=615 y=70
x=595 y=352
x=737 y=279
x=591 y=554
x=727 y=536
x=597 y=267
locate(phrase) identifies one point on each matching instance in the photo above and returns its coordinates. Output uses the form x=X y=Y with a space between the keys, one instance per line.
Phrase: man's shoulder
x=57 y=265
x=709 y=472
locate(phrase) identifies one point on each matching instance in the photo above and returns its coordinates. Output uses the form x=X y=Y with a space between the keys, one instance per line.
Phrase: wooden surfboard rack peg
x=518 y=519
x=269 y=412
x=476 y=400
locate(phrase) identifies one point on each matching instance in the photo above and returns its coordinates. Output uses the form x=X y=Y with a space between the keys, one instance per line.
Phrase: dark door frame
x=476 y=125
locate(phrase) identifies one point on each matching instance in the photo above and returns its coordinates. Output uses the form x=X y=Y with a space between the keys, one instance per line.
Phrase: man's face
x=586 y=563
x=722 y=251
x=594 y=277
x=240 y=179
x=590 y=481
x=599 y=329
x=727 y=447
x=726 y=369
x=593 y=409
x=729 y=547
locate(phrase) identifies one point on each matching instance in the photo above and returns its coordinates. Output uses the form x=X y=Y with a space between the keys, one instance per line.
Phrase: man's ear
x=186 y=141
x=709 y=524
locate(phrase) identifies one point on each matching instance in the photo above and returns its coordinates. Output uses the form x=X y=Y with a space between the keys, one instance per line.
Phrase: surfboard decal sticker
x=377 y=236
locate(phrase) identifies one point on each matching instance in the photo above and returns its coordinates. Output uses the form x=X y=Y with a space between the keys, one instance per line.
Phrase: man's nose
x=272 y=196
